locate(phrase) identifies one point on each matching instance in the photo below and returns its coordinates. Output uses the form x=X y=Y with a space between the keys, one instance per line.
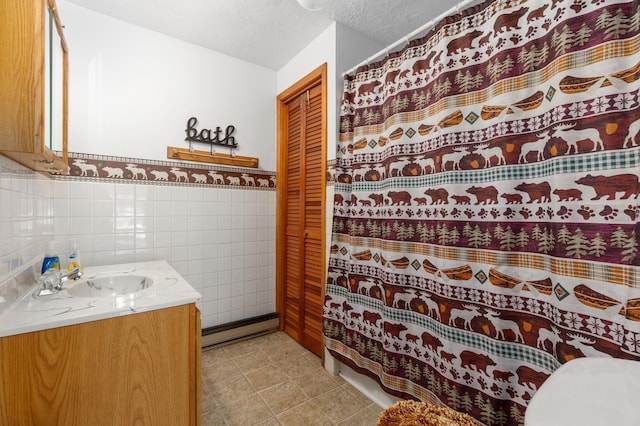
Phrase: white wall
x=353 y=48
x=26 y=223
x=132 y=91
x=322 y=49
x=341 y=48
x=222 y=241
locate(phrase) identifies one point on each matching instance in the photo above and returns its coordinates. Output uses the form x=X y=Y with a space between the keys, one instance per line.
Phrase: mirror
x=55 y=78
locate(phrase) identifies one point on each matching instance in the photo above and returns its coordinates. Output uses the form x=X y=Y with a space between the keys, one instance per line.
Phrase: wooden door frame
x=319 y=75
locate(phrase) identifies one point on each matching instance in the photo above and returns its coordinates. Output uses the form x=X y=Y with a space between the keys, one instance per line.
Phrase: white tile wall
x=222 y=241
x=26 y=216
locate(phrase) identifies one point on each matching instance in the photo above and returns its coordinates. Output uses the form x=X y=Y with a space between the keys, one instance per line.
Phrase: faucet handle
x=50 y=279
x=76 y=274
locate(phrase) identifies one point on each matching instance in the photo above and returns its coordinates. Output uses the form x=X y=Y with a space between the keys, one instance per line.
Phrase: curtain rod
x=455 y=9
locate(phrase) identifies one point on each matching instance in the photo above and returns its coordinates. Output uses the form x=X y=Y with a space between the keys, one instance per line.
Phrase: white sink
x=109 y=285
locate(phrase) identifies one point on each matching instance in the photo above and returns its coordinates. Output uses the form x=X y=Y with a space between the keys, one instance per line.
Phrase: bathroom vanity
x=104 y=356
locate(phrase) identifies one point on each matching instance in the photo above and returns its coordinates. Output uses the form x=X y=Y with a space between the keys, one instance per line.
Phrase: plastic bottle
x=74 y=260
x=51 y=260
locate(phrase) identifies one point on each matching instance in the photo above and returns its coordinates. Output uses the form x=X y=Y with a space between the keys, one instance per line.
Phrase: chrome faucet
x=76 y=274
x=51 y=281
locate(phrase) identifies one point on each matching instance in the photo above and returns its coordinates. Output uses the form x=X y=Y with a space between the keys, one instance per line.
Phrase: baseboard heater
x=239 y=330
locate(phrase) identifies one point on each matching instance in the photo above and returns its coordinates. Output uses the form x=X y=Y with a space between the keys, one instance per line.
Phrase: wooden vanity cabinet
x=25 y=106
x=142 y=368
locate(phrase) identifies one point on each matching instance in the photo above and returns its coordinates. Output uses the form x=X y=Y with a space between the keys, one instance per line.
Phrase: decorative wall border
x=94 y=167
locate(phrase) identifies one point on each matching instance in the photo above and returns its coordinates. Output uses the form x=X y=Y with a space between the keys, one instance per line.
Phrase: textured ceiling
x=269 y=32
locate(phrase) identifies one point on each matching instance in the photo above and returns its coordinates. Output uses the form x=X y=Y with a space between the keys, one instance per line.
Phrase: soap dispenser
x=74 y=260
x=51 y=260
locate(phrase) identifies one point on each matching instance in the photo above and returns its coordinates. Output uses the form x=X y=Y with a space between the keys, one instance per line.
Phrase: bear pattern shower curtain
x=485 y=226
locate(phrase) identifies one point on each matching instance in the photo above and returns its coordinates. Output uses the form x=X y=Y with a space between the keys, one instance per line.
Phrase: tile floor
x=272 y=380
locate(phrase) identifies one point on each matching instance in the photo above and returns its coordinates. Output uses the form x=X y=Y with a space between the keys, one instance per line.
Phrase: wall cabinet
x=34 y=85
x=141 y=368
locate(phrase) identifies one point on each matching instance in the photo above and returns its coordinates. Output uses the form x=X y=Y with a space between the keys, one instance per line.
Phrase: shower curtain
x=485 y=225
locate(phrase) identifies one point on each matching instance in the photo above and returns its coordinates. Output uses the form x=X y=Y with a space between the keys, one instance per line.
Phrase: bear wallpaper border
x=137 y=170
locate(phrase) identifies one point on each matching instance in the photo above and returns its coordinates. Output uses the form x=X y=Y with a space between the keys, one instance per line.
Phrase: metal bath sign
x=210 y=136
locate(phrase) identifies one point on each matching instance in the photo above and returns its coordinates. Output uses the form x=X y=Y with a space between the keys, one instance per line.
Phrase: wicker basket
x=415 y=413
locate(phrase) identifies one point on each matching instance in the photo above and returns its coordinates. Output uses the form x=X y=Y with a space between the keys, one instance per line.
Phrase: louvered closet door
x=304 y=225
x=293 y=268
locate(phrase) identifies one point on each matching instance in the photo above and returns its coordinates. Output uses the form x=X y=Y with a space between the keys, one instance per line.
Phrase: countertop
x=31 y=313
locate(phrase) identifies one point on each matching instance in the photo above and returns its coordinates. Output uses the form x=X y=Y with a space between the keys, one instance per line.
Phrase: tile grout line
x=264 y=344
x=288 y=379
x=275 y=416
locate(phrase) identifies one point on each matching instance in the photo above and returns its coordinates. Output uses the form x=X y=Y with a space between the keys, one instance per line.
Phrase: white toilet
x=588 y=392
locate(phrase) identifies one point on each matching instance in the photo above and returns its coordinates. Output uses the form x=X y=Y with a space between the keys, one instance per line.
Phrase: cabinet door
x=134 y=369
x=23 y=100
x=196 y=370
x=22 y=82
